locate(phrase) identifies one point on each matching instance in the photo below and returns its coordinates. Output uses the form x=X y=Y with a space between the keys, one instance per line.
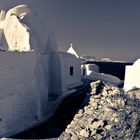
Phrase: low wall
x=114 y=68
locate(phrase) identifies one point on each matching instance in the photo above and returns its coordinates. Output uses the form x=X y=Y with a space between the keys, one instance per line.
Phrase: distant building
x=65 y=72
x=132 y=76
x=86 y=69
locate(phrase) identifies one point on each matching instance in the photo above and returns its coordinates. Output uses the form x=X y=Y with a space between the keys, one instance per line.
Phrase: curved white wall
x=17 y=36
x=23 y=91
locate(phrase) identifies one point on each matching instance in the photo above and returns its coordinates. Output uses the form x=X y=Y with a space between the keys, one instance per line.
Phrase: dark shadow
x=59 y=121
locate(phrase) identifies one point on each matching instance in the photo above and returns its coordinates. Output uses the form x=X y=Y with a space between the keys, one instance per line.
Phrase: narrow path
x=59 y=121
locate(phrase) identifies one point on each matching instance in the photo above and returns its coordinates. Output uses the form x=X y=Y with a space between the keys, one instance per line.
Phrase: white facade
x=24 y=93
x=132 y=76
x=86 y=69
x=65 y=72
x=70 y=71
x=31 y=70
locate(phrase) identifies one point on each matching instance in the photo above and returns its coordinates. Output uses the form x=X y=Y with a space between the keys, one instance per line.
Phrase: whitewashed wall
x=87 y=69
x=23 y=91
x=17 y=36
x=132 y=76
x=60 y=79
x=24 y=31
x=70 y=81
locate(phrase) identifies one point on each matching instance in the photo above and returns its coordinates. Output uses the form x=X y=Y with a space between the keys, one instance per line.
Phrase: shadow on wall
x=107 y=112
x=58 y=122
x=3 y=42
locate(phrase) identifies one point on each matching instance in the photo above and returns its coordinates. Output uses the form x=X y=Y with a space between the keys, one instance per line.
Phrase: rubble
x=109 y=113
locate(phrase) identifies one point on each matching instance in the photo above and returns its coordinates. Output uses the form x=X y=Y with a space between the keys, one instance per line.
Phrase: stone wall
x=107 y=113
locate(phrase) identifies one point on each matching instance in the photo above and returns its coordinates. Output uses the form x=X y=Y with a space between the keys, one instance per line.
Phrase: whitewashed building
x=31 y=70
x=91 y=72
x=87 y=69
x=132 y=76
x=65 y=72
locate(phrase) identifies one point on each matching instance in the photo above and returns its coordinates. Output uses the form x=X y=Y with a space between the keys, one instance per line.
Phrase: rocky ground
x=108 y=113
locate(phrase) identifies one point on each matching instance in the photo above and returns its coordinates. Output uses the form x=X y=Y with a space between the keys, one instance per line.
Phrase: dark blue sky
x=101 y=28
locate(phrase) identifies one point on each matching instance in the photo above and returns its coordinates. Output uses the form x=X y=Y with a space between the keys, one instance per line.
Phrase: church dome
x=137 y=62
x=19 y=11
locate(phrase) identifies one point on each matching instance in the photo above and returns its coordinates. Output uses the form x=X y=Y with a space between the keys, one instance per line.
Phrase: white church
x=35 y=76
x=31 y=70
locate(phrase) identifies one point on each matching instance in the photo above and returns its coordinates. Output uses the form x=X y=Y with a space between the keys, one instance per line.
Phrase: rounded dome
x=25 y=31
x=20 y=10
x=137 y=62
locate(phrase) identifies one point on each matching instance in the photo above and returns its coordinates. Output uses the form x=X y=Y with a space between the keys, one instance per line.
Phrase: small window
x=71 y=70
x=84 y=72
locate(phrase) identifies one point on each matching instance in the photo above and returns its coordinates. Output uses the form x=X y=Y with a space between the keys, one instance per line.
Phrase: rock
x=74 y=137
x=97 y=124
x=105 y=93
x=90 y=120
x=110 y=113
x=94 y=84
x=81 y=111
x=108 y=127
x=65 y=136
x=84 y=133
x=98 y=136
x=93 y=132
